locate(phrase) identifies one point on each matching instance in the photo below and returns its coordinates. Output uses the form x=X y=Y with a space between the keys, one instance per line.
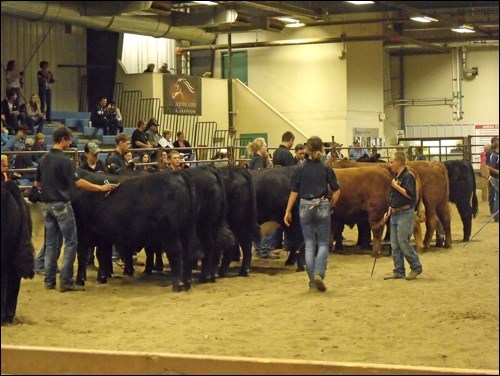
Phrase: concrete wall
x=308 y=84
x=430 y=77
x=365 y=89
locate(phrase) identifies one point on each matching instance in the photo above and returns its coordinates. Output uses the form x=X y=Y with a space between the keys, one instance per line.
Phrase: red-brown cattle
x=369 y=188
x=365 y=190
x=435 y=194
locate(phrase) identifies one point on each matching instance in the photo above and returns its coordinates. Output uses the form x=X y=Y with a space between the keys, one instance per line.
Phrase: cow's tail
x=195 y=247
x=252 y=215
x=474 y=202
x=225 y=237
x=24 y=258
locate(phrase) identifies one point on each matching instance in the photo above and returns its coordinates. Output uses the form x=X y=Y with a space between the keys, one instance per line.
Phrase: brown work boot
x=413 y=274
x=320 y=285
x=393 y=276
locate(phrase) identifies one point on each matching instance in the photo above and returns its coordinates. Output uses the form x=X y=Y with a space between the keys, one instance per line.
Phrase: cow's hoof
x=130 y=273
x=203 y=279
x=243 y=273
x=101 y=279
x=211 y=279
x=186 y=286
x=80 y=282
x=290 y=262
x=446 y=245
x=439 y=243
x=148 y=271
x=176 y=288
x=301 y=268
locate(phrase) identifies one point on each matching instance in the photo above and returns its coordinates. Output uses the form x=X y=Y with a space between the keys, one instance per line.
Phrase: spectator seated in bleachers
x=35 y=118
x=25 y=161
x=99 y=116
x=114 y=117
x=153 y=136
x=220 y=158
x=140 y=138
x=10 y=111
x=187 y=154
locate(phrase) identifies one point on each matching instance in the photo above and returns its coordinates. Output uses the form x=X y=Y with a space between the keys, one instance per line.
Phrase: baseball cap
x=29 y=142
x=92 y=148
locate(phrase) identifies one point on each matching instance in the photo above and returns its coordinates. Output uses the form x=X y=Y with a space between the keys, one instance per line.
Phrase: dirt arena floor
x=448 y=317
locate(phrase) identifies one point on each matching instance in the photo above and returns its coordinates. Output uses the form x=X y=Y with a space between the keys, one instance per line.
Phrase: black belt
x=405 y=207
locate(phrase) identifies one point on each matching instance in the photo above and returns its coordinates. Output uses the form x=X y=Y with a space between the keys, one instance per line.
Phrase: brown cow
x=435 y=194
x=420 y=209
x=365 y=189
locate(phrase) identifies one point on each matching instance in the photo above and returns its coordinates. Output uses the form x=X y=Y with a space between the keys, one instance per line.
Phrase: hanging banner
x=483 y=134
x=182 y=95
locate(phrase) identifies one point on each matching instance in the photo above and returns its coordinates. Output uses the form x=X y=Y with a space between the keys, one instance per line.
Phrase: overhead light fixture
x=464 y=29
x=361 y=2
x=423 y=19
x=288 y=20
x=206 y=2
x=295 y=24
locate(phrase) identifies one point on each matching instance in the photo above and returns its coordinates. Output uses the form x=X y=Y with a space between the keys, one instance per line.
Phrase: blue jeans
x=266 y=245
x=315 y=223
x=495 y=202
x=40 y=257
x=59 y=220
x=401 y=230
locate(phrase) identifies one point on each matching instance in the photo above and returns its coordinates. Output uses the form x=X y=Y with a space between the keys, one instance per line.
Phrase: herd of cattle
x=207 y=213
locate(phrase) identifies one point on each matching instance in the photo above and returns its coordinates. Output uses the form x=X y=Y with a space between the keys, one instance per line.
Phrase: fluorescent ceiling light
x=423 y=19
x=206 y=2
x=295 y=24
x=288 y=20
x=361 y=2
x=464 y=29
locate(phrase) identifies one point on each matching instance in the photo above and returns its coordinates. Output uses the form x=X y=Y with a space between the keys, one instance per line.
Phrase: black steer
x=157 y=211
x=463 y=192
x=272 y=187
x=241 y=217
x=17 y=248
x=212 y=228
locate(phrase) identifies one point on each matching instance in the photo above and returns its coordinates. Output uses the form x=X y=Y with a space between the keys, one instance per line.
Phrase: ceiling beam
x=416 y=11
x=283 y=9
x=407 y=40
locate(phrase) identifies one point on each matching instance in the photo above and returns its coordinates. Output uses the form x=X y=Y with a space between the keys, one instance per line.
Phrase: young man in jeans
x=55 y=174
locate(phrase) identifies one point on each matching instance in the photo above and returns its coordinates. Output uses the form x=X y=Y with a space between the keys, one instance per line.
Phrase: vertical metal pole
x=402 y=89
x=230 y=83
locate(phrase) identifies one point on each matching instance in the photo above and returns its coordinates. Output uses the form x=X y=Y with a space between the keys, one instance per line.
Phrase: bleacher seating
x=108 y=140
x=129 y=131
x=93 y=132
x=72 y=119
x=48 y=130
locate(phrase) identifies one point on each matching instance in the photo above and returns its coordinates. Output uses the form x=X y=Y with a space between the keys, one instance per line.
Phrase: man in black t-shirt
x=116 y=160
x=140 y=138
x=282 y=156
x=55 y=174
